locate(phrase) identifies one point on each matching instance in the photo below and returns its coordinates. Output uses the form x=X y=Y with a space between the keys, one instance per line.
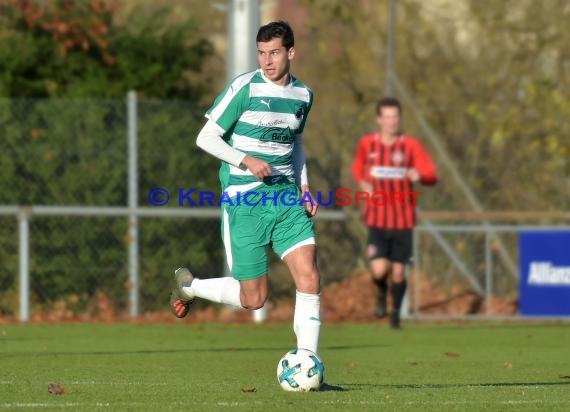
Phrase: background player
x=255 y=127
x=390 y=161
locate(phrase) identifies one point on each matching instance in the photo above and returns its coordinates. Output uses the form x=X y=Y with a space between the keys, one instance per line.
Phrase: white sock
x=307 y=321
x=221 y=290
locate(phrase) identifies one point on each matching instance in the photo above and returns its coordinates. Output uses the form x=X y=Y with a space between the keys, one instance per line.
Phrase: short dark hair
x=388 y=102
x=277 y=29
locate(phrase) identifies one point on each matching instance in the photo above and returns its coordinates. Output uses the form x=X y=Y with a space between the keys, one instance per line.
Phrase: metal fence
x=66 y=281
x=458 y=271
x=77 y=233
x=467 y=271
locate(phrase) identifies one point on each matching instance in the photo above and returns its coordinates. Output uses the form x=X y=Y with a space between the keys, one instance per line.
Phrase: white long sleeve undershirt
x=210 y=139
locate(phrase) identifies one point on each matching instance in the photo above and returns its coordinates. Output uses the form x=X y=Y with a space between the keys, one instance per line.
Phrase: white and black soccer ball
x=300 y=370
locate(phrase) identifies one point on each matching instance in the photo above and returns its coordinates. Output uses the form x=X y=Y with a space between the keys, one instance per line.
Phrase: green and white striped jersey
x=260 y=119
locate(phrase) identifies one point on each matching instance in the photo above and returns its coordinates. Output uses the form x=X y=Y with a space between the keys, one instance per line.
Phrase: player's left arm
x=300 y=164
x=301 y=176
x=423 y=168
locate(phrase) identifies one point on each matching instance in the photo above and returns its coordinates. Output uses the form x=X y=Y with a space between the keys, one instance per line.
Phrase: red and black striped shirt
x=385 y=166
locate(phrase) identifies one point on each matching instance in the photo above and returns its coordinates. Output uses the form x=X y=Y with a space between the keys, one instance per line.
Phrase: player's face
x=389 y=120
x=274 y=59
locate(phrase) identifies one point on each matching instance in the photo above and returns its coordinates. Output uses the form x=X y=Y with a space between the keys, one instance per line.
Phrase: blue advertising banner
x=544 y=285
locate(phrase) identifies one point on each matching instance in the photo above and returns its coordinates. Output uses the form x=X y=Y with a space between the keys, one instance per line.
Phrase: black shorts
x=392 y=244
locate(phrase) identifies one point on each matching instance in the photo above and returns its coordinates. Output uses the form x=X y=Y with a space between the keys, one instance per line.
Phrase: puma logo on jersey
x=265 y=103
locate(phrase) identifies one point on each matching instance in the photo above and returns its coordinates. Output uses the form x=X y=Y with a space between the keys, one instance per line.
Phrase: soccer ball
x=300 y=370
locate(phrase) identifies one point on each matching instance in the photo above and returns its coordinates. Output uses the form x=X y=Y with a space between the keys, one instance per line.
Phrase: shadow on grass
x=352 y=386
x=343 y=387
x=325 y=387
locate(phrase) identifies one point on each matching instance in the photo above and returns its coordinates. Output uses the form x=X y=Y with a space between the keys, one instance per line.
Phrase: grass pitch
x=206 y=367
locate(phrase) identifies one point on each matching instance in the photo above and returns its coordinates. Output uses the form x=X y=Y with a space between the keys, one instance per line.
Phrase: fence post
x=416 y=271
x=391 y=47
x=243 y=20
x=132 y=147
x=24 y=252
x=488 y=275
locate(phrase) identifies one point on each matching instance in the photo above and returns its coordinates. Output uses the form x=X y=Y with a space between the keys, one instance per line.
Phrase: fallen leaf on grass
x=508 y=365
x=249 y=389
x=55 y=389
x=452 y=354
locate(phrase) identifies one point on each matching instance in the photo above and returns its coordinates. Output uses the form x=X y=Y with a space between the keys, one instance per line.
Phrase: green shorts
x=262 y=217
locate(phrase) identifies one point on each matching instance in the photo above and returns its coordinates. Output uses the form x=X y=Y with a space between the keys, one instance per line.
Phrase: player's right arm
x=259 y=168
x=211 y=140
x=222 y=116
x=358 y=166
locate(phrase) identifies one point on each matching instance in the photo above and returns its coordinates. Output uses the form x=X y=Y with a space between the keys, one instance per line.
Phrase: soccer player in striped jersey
x=255 y=127
x=390 y=162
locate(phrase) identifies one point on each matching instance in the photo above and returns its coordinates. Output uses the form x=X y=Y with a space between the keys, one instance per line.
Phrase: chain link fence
x=70 y=158
x=62 y=154
x=460 y=271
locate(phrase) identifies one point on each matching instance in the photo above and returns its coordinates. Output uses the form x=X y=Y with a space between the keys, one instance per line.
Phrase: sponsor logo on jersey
x=387 y=172
x=272 y=123
x=278 y=134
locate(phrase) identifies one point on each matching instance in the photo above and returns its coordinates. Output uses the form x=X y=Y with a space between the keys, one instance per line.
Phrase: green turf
x=488 y=367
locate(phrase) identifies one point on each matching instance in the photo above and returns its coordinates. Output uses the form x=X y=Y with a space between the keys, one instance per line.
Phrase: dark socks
x=398 y=290
x=382 y=285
